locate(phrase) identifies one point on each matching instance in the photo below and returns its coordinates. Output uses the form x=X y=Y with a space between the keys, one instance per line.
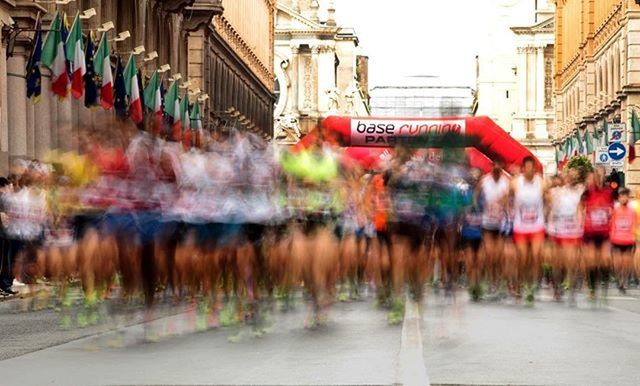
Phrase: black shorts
x=623 y=248
x=596 y=239
x=474 y=244
x=492 y=232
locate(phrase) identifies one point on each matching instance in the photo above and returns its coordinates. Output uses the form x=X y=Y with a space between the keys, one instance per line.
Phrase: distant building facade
x=533 y=120
x=318 y=71
x=421 y=97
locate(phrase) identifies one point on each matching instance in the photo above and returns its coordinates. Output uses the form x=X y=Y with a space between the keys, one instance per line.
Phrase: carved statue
x=350 y=96
x=287 y=129
x=334 y=99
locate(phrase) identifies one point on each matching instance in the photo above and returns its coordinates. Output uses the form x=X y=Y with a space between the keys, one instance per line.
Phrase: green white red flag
x=133 y=90
x=75 y=54
x=53 y=57
x=102 y=67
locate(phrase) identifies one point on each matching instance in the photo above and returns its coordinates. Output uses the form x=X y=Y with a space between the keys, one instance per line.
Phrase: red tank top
x=623 y=225
x=598 y=205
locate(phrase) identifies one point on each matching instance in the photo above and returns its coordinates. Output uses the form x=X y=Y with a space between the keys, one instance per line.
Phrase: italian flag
x=153 y=98
x=53 y=57
x=102 y=66
x=198 y=124
x=172 y=108
x=186 y=122
x=76 y=55
x=131 y=85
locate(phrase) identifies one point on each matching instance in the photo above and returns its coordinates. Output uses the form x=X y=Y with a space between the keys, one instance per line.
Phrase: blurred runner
x=527 y=191
x=624 y=222
x=493 y=193
x=566 y=231
x=598 y=205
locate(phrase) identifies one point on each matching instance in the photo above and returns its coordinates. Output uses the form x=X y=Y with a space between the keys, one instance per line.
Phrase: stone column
x=522 y=80
x=305 y=84
x=315 y=101
x=4 y=111
x=295 y=78
x=65 y=124
x=141 y=27
x=17 y=89
x=518 y=126
x=174 y=49
x=31 y=150
x=326 y=76
x=541 y=121
x=85 y=115
x=43 y=119
x=539 y=83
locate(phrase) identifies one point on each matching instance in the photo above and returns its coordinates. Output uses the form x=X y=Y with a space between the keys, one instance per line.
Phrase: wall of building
x=597 y=74
x=497 y=82
x=226 y=56
x=421 y=97
x=316 y=68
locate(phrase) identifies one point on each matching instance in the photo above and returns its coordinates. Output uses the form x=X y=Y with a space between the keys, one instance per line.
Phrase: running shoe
x=9 y=292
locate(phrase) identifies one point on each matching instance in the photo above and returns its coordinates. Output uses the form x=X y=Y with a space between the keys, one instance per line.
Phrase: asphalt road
x=357 y=346
x=441 y=341
x=548 y=344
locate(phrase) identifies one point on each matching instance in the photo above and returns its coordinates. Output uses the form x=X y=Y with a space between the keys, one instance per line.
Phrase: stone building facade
x=224 y=47
x=317 y=66
x=597 y=66
x=534 y=115
x=421 y=96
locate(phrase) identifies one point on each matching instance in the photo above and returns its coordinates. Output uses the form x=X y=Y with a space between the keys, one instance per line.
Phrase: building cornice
x=289 y=32
x=174 y=5
x=200 y=13
x=605 y=31
x=240 y=46
x=296 y=15
x=545 y=26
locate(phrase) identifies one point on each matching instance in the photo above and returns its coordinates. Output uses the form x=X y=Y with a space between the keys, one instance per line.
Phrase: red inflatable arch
x=490 y=141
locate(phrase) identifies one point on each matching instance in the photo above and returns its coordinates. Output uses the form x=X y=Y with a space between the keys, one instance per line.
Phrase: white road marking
x=412 y=368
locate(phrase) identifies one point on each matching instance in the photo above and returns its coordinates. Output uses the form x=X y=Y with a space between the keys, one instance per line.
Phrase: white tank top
x=528 y=206
x=493 y=193
x=563 y=219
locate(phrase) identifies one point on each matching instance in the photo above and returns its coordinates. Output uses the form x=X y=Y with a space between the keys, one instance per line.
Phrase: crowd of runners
x=237 y=226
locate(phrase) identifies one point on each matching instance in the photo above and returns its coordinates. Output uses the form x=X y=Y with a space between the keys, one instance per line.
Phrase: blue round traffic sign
x=617 y=151
x=604 y=158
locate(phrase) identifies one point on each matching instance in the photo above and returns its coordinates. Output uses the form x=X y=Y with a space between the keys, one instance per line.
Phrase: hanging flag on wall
x=53 y=56
x=633 y=135
x=588 y=141
x=153 y=99
x=185 y=119
x=90 y=88
x=75 y=54
x=120 y=90
x=102 y=67
x=196 y=121
x=133 y=91
x=34 y=77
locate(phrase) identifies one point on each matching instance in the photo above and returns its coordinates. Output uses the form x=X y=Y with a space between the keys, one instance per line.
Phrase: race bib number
x=495 y=213
x=529 y=214
x=567 y=223
x=624 y=224
x=599 y=217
